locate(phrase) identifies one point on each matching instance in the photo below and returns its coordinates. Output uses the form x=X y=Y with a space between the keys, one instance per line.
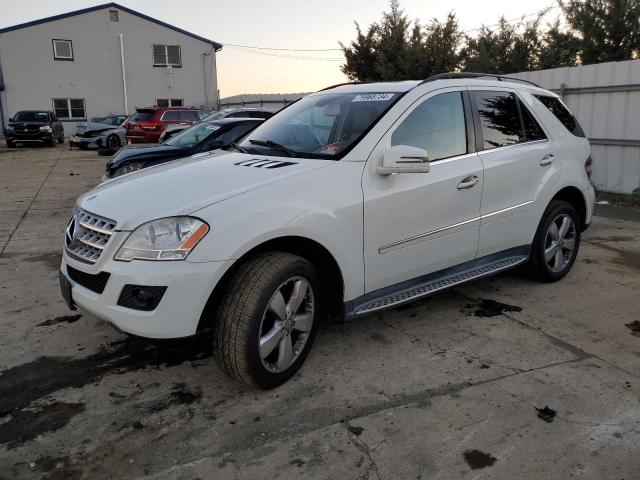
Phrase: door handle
x=547 y=159
x=468 y=182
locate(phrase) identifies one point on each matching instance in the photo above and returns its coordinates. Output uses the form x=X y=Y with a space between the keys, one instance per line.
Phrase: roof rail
x=454 y=75
x=341 y=85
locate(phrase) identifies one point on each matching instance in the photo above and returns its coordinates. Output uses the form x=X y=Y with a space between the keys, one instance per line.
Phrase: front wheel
x=61 y=139
x=267 y=319
x=113 y=142
x=556 y=243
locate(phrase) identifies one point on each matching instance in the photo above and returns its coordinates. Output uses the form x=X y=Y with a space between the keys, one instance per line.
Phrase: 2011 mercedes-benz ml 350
x=355 y=199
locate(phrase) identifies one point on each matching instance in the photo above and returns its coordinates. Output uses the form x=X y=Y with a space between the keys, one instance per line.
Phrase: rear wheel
x=267 y=319
x=555 y=246
x=113 y=142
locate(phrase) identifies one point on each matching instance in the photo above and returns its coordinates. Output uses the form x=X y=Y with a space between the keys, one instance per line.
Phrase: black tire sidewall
x=116 y=143
x=555 y=209
x=260 y=375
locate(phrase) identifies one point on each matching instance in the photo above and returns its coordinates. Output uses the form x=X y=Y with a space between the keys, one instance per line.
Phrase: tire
x=113 y=142
x=51 y=142
x=61 y=139
x=244 y=317
x=10 y=144
x=82 y=146
x=540 y=266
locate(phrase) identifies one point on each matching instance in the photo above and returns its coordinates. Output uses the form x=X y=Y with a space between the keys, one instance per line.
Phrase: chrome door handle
x=547 y=159
x=468 y=182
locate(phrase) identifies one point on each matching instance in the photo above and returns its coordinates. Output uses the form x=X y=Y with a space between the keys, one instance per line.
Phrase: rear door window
x=532 y=129
x=171 y=116
x=437 y=126
x=188 y=116
x=562 y=113
x=499 y=118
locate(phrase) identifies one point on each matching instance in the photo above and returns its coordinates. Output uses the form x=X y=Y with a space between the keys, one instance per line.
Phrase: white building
x=102 y=60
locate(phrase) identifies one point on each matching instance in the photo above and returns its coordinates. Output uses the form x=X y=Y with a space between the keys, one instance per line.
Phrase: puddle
x=491 y=308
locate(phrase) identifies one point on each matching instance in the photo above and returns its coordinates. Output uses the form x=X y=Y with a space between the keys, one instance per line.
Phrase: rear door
x=517 y=158
x=419 y=223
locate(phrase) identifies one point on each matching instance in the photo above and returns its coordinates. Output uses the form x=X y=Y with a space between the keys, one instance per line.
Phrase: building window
x=113 y=15
x=62 y=49
x=69 y=108
x=167 y=55
x=169 y=102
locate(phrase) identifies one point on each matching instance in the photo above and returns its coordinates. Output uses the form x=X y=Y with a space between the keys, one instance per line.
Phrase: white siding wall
x=609 y=113
x=33 y=78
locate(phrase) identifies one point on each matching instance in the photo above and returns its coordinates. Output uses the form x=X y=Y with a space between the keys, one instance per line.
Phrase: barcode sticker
x=373 y=97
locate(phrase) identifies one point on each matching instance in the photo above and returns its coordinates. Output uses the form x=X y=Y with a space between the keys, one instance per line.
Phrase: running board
x=421 y=287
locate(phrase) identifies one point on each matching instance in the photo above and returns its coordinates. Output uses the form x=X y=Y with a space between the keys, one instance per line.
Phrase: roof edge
x=214 y=44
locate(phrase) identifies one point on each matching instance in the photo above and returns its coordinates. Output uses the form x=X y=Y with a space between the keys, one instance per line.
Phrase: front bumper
x=37 y=136
x=189 y=286
x=77 y=141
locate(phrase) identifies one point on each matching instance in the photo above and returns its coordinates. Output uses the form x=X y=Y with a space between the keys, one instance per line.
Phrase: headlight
x=45 y=128
x=8 y=127
x=164 y=239
x=128 y=168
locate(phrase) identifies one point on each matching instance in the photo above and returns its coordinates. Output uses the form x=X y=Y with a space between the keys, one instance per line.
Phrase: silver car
x=104 y=132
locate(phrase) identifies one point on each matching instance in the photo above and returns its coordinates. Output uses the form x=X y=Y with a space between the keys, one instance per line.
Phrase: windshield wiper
x=275 y=146
x=237 y=147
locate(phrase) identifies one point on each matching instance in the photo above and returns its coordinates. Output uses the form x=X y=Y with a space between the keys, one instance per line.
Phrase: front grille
x=95 y=283
x=87 y=236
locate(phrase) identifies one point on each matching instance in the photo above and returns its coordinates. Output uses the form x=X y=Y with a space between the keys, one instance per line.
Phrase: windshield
x=193 y=135
x=320 y=126
x=114 y=120
x=31 y=117
x=214 y=116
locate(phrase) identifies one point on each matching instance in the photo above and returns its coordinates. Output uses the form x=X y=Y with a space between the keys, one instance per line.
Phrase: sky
x=286 y=24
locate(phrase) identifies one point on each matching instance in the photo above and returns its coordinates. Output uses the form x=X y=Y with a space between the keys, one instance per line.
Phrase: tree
x=608 y=30
x=559 y=48
x=361 y=56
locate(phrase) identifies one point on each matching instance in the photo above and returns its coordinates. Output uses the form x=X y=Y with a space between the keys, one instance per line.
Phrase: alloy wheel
x=560 y=243
x=286 y=324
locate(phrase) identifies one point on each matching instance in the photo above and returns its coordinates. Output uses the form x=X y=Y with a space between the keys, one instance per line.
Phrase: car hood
x=187 y=185
x=142 y=152
x=83 y=127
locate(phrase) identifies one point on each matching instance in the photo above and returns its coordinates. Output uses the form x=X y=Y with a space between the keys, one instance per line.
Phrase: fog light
x=141 y=297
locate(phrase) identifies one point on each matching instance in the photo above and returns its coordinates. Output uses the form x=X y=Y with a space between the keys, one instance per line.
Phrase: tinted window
x=532 y=129
x=499 y=118
x=261 y=114
x=239 y=115
x=562 y=113
x=188 y=115
x=437 y=126
x=171 y=116
x=141 y=116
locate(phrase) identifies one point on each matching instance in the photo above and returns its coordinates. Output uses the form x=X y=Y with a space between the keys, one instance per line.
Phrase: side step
x=421 y=287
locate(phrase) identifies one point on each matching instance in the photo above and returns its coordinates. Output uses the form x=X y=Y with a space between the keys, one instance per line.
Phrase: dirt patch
x=24 y=384
x=27 y=424
x=51 y=260
x=477 y=459
x=624 y=258
x=491 y=308
x=61 y=319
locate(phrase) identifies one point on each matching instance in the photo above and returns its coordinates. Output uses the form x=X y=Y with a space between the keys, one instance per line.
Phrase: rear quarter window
x=562 y=113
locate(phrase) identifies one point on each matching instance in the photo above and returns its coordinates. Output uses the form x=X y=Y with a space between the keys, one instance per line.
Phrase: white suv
x=355 y=199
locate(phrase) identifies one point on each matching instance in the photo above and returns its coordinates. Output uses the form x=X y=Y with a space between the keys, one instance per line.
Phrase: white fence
x=606 y=100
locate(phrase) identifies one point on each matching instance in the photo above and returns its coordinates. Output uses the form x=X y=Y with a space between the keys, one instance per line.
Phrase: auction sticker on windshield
x=373 y=97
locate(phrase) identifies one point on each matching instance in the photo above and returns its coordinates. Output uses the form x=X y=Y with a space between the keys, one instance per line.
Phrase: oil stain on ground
x=477 y=459
x=491 y=308
x=61 y=319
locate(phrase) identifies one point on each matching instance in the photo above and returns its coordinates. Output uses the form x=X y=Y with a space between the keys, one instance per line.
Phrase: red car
x=146 y=125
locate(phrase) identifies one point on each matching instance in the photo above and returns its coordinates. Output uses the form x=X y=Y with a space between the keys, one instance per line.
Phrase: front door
x=419 y=223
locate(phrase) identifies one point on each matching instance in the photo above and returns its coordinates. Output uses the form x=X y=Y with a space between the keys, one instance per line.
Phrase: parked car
x=104 y=132
x=146 y=125
x=353 y=200
x=263 y=113
x=34 y=126
x=201 y=137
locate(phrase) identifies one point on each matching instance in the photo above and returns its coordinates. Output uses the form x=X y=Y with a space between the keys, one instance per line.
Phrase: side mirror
x=10 y=119
x=404 y=159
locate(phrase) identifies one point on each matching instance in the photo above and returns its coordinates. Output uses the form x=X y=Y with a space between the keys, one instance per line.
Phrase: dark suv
x=146 y=125
x=34 y=126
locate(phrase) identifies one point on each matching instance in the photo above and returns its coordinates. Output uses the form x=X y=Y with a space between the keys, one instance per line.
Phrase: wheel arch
x=328 y=269
x=574 y=196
